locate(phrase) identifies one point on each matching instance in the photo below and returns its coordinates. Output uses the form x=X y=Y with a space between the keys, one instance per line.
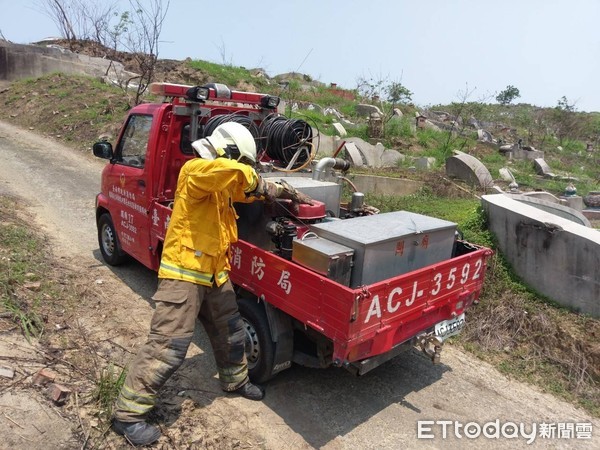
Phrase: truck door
x=129 y=193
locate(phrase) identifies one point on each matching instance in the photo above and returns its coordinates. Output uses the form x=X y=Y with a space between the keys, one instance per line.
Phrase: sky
x=442 y=50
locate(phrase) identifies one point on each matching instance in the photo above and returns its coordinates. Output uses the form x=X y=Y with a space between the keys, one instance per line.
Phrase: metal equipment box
x=325 y=257
x=390 y=244
x=325 y=191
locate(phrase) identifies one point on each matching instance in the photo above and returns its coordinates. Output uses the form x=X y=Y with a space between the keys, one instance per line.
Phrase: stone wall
x=19 y=61
x=385 y=185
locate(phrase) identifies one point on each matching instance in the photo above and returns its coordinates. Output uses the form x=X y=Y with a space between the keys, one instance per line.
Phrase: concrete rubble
x=58 y=393
x=7 y=372
x=362 y=153
x=43 y=377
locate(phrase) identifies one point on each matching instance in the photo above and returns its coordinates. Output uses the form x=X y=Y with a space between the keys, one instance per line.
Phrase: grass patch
x=22 y=264
x=426 y=203
x=228 y=74
x=68 y=107
x=399 y=128
x=107 y=388
x=30 y=321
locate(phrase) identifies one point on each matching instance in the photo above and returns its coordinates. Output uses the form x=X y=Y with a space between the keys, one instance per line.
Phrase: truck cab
x=139 y=182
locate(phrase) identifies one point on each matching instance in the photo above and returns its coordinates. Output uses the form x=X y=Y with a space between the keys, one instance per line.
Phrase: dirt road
x=304 y=408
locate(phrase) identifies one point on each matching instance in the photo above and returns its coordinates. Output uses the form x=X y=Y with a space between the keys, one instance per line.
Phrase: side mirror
x=103 y=149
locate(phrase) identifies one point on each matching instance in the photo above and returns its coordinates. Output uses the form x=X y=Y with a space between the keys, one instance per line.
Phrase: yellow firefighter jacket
x=203 y=222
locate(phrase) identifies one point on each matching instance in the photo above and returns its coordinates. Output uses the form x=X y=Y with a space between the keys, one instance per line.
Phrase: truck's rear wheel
x=109 y=242
x=260 y=348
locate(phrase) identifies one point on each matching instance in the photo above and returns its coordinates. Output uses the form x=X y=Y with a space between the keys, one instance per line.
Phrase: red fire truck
x=333 y=283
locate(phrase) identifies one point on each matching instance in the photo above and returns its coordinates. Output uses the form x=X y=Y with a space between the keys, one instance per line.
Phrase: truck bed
x=368 y=320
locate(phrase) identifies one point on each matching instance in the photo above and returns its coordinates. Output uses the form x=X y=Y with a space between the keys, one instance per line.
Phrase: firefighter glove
x=294 y=195
x=268 y=190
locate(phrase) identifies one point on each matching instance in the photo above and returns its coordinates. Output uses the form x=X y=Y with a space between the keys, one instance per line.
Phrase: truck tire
x=109 y=242
x=260 y=348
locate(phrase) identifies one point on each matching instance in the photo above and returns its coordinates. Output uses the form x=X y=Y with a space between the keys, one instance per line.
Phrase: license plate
x=447 y=328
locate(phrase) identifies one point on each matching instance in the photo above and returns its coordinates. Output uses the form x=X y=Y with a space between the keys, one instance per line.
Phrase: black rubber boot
x=138 y=433
x=250 y=391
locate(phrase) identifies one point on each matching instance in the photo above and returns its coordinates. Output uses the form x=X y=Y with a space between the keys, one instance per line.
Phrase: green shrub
x=399 y=128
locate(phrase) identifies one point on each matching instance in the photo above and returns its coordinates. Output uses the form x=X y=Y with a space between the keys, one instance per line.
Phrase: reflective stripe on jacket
x=203 y=222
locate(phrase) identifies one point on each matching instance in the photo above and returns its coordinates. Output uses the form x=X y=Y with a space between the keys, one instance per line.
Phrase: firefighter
x=193 y=277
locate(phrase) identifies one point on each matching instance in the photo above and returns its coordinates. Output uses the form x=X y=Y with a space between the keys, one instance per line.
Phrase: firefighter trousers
x=178 y=304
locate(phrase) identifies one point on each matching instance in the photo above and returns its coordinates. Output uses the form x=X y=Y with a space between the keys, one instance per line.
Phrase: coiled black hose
x=282 y=138
x=220 y=119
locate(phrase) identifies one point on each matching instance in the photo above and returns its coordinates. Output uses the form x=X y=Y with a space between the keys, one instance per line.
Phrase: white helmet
x=234 y=134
